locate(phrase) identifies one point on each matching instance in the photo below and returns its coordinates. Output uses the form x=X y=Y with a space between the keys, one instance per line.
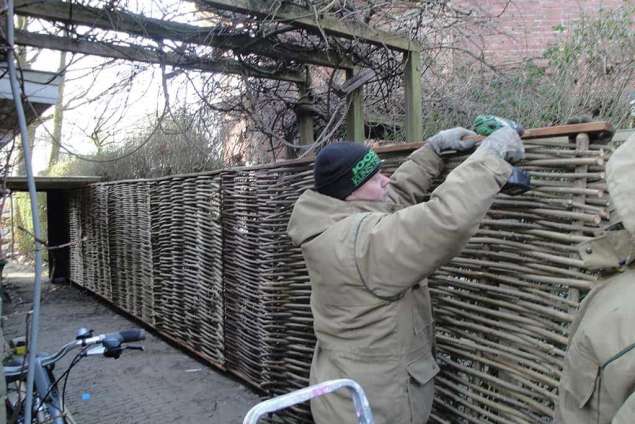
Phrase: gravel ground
x=160 y=385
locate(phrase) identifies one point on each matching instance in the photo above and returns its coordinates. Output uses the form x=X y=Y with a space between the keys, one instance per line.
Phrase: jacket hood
x=620 y=176
x=313 y=213
x=616 y=249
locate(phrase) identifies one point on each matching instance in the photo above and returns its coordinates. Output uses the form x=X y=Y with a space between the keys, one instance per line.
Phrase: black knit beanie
x=341 y=168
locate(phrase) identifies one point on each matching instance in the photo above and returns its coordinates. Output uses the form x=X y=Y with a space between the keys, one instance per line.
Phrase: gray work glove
x=505 y=143
x=451 y=140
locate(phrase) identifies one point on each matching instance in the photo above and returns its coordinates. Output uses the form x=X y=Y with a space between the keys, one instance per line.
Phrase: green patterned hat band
x=365 y=167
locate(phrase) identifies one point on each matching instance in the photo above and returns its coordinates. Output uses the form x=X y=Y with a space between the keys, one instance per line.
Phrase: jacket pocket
x=421 y=388
x=580 y=377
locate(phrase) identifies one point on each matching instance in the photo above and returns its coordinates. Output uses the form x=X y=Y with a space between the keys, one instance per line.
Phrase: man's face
x=374 y=189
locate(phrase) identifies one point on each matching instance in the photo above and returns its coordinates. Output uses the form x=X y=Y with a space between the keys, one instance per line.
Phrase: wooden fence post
x=412 y=76
x=355 y=114
x=305 y=120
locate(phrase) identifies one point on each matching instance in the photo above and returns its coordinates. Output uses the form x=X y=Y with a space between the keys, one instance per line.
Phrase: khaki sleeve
x=395 y=251
x=626 y=413
x=412 y=180
x=617 y=376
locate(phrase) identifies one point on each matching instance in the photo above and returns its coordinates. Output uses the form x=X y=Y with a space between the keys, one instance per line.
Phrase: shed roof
x=41 y=90
x=51 y=183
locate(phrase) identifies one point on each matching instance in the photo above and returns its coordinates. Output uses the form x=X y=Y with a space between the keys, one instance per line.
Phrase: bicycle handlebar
x=124 y=336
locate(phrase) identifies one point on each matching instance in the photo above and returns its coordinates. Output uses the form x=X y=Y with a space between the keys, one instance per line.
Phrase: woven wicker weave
x=206 y=260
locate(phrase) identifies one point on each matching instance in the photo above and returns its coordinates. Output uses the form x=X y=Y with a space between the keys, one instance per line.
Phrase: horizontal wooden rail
x=600 y=128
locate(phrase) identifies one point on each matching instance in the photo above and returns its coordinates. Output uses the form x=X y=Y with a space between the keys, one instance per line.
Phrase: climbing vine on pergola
x=265 y=40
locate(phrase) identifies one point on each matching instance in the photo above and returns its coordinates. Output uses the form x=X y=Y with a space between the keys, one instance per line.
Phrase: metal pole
x=12 y=227
x=24 y=134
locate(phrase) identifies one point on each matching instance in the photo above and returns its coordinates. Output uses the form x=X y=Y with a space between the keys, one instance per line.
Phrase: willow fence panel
x=205 y=259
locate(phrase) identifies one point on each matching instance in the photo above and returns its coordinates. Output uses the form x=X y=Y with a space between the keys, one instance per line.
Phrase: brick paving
x=160 y=385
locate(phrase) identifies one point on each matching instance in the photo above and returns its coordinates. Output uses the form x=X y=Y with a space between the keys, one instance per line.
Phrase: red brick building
x=507 y=31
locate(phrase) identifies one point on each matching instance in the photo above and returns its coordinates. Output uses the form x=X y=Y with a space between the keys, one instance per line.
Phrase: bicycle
x=48 y=400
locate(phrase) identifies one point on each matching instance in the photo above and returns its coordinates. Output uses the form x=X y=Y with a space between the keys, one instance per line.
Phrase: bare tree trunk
x=23 y=62
x=20 y=170
x=20 y=51
x=58 y=115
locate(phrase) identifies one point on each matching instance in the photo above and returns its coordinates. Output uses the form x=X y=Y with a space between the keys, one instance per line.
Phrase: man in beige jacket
x=598 y=383
x=369 y=242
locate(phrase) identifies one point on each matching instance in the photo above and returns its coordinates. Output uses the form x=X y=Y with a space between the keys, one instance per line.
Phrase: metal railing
x=360 y=402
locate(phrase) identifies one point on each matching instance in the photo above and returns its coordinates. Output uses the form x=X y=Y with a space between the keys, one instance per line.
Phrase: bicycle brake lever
x=135 y=348
x=95 y=350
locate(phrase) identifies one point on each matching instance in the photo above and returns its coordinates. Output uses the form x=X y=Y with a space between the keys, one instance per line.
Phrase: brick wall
x=507 y=31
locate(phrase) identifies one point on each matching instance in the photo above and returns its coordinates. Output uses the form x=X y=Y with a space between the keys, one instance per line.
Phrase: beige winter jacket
x=368 y=263
x=598 y=384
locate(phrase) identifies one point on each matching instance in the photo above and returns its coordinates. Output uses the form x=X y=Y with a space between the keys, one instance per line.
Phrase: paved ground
x=160 y=385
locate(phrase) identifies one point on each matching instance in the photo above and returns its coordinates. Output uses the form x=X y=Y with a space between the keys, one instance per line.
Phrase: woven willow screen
x=205 y=260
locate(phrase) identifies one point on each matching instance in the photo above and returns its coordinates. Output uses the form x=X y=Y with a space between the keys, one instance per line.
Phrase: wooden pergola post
x=304 y=114
x=355 y=114
x=305 y=118
x=412 y=77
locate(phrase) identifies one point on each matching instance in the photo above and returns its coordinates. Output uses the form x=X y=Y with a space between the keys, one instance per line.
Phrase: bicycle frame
x=43 y=378
x=44 y=389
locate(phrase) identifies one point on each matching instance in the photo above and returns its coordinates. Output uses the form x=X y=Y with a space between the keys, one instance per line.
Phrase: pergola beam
x=306 y=18
x=143 y=54
x=156 y=29
x=115 y=20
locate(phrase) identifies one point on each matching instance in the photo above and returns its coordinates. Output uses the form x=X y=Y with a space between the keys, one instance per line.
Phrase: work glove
x=505 y=143
x=487 y=124
x=451 y=140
